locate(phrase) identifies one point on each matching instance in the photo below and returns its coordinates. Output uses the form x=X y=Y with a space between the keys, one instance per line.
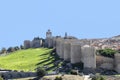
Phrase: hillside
x=26 y=60
x=116 y=37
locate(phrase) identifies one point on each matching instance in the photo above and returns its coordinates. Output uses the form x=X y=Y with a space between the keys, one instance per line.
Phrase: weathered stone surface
x=49 y=39
x=89 y=56
x=107 y=66
x=61 y=48
x=54 y=42
x=75 y=52
x=104 y=62
x=13 y=75
x=50 y=42
x=36 y=43
x=117 y=62
x=48 y=34
x=58 y=40
x=27 y=44
x=67 y=49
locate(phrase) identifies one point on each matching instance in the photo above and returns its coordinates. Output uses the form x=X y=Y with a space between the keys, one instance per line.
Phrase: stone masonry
x=35 y=43
x=67 y=49
x=75 y=52
x=27 y=44
x=61 y=47
x=117 y=62
x=58 y=46
x=88 y=56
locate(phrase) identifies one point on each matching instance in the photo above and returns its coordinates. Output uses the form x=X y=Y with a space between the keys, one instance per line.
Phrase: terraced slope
x=27 y=60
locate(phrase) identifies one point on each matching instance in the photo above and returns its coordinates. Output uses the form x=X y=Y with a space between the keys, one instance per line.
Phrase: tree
x=107 y=52
x=10 y=49
x=3 y=50
x=98 y=77
x=16 y=48
x=21 y=47
x=1 y=78
x=58 y=78
x=0 y=52
x=40 y=72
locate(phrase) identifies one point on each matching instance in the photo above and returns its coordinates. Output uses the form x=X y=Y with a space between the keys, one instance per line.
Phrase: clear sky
x=25 y=19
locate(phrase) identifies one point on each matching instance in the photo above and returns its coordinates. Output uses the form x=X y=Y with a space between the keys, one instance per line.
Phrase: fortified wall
x=117 y=62
x=104 y=62
x=71 y=50
x=35 y=43
x=75 y=51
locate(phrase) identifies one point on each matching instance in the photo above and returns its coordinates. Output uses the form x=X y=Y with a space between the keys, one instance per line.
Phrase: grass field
x=27 y=60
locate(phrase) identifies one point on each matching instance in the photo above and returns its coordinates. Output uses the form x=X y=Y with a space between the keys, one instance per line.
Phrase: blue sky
x=25 y=19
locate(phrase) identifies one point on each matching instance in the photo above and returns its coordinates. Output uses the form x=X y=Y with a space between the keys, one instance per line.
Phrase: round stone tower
x=60 y=47
x=67 y=49
x=75 y=52
x=88 y=56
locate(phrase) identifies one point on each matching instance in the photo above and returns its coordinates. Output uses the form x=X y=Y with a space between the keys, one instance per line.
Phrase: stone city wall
x=27 y=44
x=88 y=56
x=36 y=44
x=67 y=49
x=71 y=50
x=75 y=52
x=50 y=42
x=58 y=46
x=15 y=75
x=61 y=48
x=117 y=62
x=105 y=62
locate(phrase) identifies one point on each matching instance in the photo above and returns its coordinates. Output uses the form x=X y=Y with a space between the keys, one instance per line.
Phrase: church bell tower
x=48 y=34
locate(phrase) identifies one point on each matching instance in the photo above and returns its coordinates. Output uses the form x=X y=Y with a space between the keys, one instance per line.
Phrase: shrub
x=10 y=49
x=107 y=52
x=74 y=72
x=3 y=50
x=40 y=72
x=1 y=78
x=98 y=77
x=58 y=78
x=79 y=65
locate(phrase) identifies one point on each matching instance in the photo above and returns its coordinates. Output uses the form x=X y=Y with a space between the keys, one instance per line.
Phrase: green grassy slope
x=26 y=60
